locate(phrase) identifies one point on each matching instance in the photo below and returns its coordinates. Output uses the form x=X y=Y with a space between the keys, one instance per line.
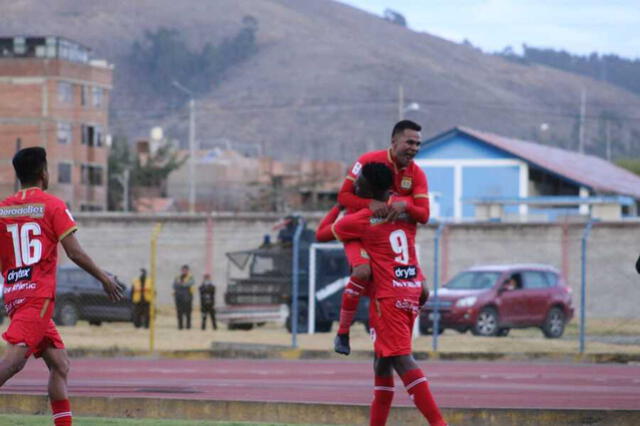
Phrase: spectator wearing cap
x=183 y=294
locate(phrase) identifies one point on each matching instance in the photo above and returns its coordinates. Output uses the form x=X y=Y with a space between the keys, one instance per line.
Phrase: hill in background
x=323 y=80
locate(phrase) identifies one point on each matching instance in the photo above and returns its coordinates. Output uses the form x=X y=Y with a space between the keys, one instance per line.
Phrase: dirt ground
x=603 y=336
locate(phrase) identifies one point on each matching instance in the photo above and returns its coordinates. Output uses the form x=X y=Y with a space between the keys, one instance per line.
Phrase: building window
x=64 y=133
x=64 y=173
x=92 y=135
x=91 y=175
x=84 y=95
x=65 y=92
x=90 y=208
x=97 y=96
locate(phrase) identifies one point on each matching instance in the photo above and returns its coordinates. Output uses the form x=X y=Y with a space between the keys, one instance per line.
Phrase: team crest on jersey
x=356 y=168
x=406 y=182
x=376 y=220
x=364 y=254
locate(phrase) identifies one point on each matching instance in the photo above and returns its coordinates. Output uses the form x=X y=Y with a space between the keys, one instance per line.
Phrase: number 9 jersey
x=32 y=223
x=391 y=247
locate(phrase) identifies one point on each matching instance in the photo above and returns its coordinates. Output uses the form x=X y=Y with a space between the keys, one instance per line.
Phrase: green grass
x=25 y=420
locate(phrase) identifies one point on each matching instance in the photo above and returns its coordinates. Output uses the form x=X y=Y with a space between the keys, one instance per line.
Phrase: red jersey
x=31 y=224
x=410 y=180
x=391 y=247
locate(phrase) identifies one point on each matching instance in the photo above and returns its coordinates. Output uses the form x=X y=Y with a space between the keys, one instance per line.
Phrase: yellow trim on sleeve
x=421 y=196
x=333 y=231
x=351 y=178
x=67 y=232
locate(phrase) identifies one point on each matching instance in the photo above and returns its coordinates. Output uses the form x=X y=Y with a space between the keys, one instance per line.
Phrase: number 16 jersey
x=32 y=223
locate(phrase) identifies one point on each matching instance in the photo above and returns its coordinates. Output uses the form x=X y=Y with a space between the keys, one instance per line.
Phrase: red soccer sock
x=382 y=397
x=61 y=410
x=349 y=306
x=418 y=388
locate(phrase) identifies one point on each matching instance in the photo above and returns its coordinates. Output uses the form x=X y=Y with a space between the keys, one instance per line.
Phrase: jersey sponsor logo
x=407 y=305
x=356 y=168
x=9 y=307
x=18 y=287
x=405 y=272
x=29 y=210
x=406 y=284
x=364 y=254
x=406 y=182
x=19 y=274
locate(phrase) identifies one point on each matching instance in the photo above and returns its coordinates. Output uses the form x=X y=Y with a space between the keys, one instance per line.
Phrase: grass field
x=123 y=336
x=24 y=420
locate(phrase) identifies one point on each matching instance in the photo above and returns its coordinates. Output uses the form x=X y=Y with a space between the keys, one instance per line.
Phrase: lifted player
x=31 y=224
x=397 y=293
x=408 y=180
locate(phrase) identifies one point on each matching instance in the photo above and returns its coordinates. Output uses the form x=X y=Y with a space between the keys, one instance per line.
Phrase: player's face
x=405 y=146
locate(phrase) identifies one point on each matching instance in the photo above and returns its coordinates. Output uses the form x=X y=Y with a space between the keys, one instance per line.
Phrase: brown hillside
x=325 y=80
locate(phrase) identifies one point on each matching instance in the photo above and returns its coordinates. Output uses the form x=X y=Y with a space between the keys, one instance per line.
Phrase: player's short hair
x=29 y=164
x=403 y=125
x=379 y=176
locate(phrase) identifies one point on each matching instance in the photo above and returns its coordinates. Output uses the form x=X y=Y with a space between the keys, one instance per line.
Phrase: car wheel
x=553 y=327
x=486 y=323
x=97 y=323
x=67 y=314
x=323 y=326
x=302 y=318
x=246 y=326
x=503 y=332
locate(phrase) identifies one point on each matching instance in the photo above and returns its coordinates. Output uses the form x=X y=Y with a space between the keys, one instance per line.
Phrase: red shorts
x=391 y=322
x=356 y=254
x=31 y=325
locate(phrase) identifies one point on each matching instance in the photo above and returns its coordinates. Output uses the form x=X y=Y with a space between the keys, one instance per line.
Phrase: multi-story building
x=53 y=95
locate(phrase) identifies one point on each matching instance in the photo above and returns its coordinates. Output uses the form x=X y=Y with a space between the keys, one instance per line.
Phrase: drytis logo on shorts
x=356 y=168
x=405 y=272
x=18 y=274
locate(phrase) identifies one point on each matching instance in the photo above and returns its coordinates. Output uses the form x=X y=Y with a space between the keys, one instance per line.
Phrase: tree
x=119 y=160
x=631 y=164
x=154 y=172
x=394 y=17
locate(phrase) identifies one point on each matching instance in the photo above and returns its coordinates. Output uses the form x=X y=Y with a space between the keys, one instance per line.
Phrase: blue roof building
x=467 y=167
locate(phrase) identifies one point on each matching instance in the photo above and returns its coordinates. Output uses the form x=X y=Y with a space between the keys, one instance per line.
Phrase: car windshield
x=473 y=280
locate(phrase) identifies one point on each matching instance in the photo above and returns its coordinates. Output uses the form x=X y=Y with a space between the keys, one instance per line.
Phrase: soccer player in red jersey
x=397 y=293
x=32 y=223
x=408 y=180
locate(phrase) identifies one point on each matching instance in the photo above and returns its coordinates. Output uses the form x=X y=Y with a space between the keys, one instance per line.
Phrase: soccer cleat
x=341 y=344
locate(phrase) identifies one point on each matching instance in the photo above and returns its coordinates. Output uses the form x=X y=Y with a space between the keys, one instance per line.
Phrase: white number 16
x=27 y=251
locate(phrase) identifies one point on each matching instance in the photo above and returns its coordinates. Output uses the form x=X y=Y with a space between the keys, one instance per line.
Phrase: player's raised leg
x=355 y=288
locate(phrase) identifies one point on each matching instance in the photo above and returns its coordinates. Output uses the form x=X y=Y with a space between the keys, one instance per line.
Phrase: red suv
x=491 y=300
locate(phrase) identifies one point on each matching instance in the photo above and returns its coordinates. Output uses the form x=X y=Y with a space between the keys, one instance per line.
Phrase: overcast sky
x=578 y=26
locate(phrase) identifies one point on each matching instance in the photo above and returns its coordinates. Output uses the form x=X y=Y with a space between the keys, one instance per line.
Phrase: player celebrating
x=397 y=294
x=31 y=224
x=408 y=180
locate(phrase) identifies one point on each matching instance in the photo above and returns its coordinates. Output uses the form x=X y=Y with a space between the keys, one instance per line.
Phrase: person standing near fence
x=32 y=222
x=141 y=295
x=208 y=301
x=183 y=294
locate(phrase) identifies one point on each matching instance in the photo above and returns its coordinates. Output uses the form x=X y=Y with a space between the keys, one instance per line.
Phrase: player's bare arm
x=76 y=253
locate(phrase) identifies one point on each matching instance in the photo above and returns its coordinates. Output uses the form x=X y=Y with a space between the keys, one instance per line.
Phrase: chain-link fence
x=249 y=261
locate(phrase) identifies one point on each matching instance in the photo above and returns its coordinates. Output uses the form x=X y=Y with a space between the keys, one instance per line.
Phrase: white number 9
x=400 y=246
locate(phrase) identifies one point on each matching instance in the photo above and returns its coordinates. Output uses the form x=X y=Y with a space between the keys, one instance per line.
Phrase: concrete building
x=480 y=175
x=52 y=95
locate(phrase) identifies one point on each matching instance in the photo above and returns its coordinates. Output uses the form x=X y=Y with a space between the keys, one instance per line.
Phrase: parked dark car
x=79 y=296
x=482 y=299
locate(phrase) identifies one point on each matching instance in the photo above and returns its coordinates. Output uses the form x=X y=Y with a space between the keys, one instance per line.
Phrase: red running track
x=454 y=384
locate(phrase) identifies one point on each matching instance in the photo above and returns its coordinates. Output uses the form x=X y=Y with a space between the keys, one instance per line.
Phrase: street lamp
x=192 y=146
x=402 y=108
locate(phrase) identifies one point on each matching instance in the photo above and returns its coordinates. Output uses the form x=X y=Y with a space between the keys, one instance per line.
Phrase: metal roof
x=588 y=170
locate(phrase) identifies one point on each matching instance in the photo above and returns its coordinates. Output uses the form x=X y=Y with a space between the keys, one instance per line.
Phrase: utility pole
x=583 y=113
x=192 y=146
x=607 y=135
x=192 y=155
x=16 y=183
x=400 y=102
